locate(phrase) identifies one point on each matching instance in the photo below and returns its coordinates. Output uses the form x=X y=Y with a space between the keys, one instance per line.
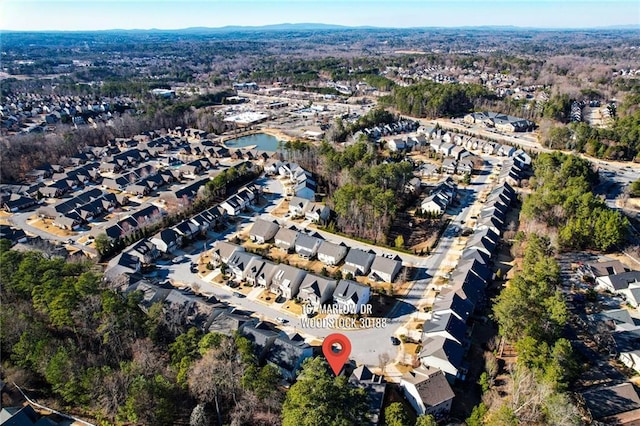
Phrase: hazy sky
x=172 y=14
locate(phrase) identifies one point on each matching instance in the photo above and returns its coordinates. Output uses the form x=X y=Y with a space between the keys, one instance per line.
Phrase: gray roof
x=350 y=290
x=316 y=284
x=286 y=236
x=385 y=265
x=452 y=301
x=360 y=258
x=444 y=349
x=307 y=244
x=447 y=322
x=264 y=229
x=612 y=267
x=241 y=260
x=224 y=249
x=260 y=268
x=330 y=249
x=432 y=386
x=622 y=281
x=612 y=400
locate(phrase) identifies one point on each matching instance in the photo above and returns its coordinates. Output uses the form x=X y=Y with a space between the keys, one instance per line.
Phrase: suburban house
x=440 y=198
x=449 y=166
x=428 y=391
x=222 y=252
x=316 y=290
x=298 y=206
x=239 y=262
x=259 y=272
x=444 y=354
x=144 y=250
x=230 y=321
x=330 y=253
x=263 y=231
x=618 y=282
x=305 y=189
x=601 y=269
x=286 y=281
x=358 y=262
x=453 y=303
x=317 y=213
x=262 y=336
x=287 y=353
x=306 y=246
x=444 y=325
x=384 y=269
x=350 y=296
x=396 y=145
x=167 y=241
x=187 y=229
x=285 y=239
x=375 y=386
x=609 y=402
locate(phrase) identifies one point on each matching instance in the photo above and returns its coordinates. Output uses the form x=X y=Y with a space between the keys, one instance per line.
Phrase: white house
x=384 y=269
x=428 y=391
x=330 y=253
x=350 y=295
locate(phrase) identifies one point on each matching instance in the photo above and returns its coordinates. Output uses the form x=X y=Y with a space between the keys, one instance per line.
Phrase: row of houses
x=445 y=336
x=287 y=281
x=302 y=183
x=88 y=205
x=309 y=246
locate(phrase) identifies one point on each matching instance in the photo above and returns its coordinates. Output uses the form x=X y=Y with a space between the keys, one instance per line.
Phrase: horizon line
x=333 y=27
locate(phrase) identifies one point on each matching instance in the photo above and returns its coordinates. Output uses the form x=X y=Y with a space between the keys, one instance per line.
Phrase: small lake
x=262 y=142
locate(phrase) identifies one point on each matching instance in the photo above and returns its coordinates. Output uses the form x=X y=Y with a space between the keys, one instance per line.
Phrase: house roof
x=287 y=236
x=611 y=267
x=288 y=352
x=224 y=249
x=385 y=265
x=360 y=258
x=241 y=260
x=612 y=400
x=330 y=249
x=444 y=349
x=622 y=281
x=259 y=268
x=348 y=290
x=264 y=229
x=452 y=301
x=477 y=254
x=261 y=335
x=432 y=386
x=167 y=236
x=307 y=242
x=317 y=285
x=299 y=202
x=446 y=322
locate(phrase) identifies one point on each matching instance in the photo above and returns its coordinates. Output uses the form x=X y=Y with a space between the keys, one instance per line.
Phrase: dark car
x=395 y=341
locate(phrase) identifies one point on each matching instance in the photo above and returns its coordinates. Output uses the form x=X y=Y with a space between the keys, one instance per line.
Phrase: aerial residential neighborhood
x=189 y=217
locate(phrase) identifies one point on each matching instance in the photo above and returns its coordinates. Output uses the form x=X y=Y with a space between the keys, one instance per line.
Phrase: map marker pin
x=336 y=348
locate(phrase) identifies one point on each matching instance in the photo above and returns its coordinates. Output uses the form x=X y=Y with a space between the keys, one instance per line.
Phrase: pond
x=262 y=142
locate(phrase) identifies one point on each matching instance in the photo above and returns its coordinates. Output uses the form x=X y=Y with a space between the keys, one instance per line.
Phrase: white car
x=281 y=320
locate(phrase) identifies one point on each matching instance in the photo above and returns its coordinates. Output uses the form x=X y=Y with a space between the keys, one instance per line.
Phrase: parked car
x=179 y=259
x=281 y=320
x=395 y=341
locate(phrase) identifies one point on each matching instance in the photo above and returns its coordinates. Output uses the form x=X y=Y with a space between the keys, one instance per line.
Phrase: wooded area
x=562 y=200
x=88 y=348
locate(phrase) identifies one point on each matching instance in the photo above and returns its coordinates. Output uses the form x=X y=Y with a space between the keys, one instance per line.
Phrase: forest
x=431 y=100
x=92 y=351
x=620 y=141
x=562 y=200
x=362 y=189
x=531 y=313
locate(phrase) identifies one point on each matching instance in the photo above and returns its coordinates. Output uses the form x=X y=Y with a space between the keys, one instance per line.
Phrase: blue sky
x=171 y=14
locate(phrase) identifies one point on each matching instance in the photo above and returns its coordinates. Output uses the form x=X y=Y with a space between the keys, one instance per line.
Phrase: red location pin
x=336 y=348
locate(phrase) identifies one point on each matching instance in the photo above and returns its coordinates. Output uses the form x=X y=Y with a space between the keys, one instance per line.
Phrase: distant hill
x=329 y=27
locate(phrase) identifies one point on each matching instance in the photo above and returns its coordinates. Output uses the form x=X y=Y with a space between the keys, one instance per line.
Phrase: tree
x=317 y=399
x=396 y=415
x=102 y=243
x=399 y=242
x=426 y=420
x=477 y=415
